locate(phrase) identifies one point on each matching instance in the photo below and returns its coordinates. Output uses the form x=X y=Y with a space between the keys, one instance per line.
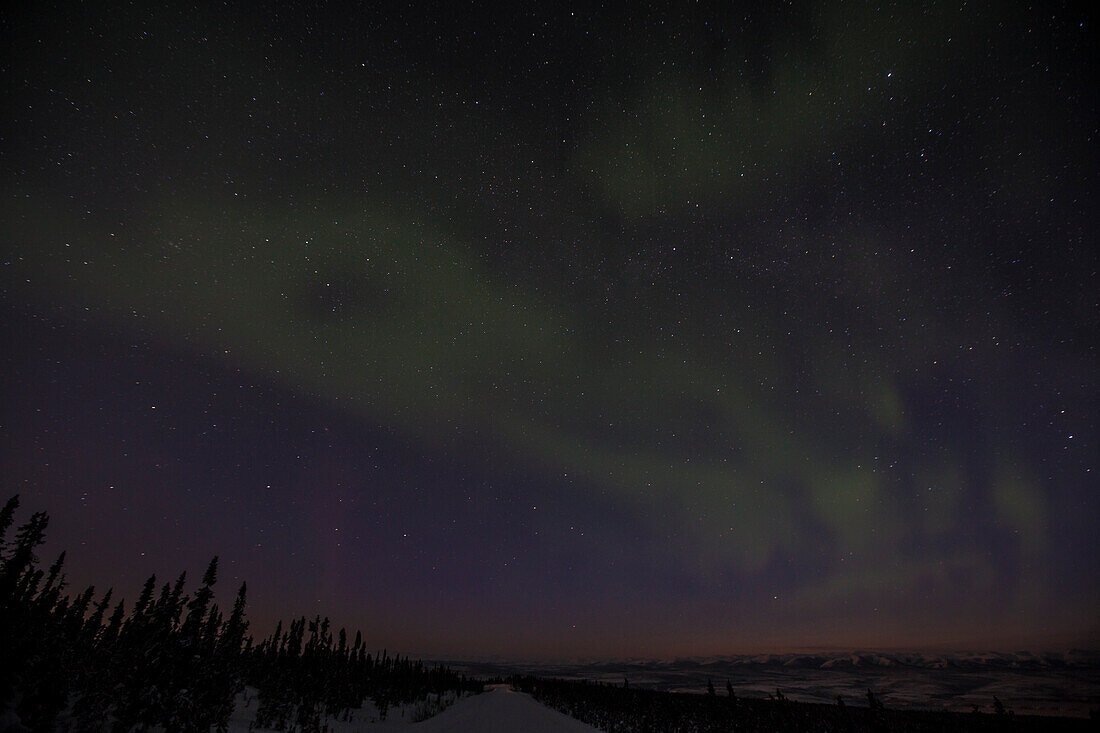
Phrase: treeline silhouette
x=174 y=660
x=626 y=709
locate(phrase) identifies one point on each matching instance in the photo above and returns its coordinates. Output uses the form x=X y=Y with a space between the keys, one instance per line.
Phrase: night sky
x=544 y=330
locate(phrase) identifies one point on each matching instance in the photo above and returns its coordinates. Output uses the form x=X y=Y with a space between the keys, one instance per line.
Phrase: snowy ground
x=498 y=710
x=367 y=718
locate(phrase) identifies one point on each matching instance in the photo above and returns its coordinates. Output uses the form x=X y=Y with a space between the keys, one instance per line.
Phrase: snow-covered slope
x=500 y=710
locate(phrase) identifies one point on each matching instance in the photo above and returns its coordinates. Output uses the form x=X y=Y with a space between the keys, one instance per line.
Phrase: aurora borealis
x=565 y=332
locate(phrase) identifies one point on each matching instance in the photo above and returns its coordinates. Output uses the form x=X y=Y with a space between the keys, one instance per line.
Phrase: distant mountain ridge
x=834 y=660
x=1074 y=658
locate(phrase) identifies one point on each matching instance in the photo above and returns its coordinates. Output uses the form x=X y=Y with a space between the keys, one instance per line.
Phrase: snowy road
x=500 y=711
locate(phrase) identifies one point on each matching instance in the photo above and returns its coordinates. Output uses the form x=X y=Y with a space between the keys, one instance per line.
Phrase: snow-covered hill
x=1059 y=683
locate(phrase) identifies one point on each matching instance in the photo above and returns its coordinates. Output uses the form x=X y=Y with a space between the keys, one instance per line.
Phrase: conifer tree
x=146 y=597
x=55 y=582
x=233 y=635
x=18 y=566
x=92 y=626
x=114 y=625
x=197 y=607
x=7 y=516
